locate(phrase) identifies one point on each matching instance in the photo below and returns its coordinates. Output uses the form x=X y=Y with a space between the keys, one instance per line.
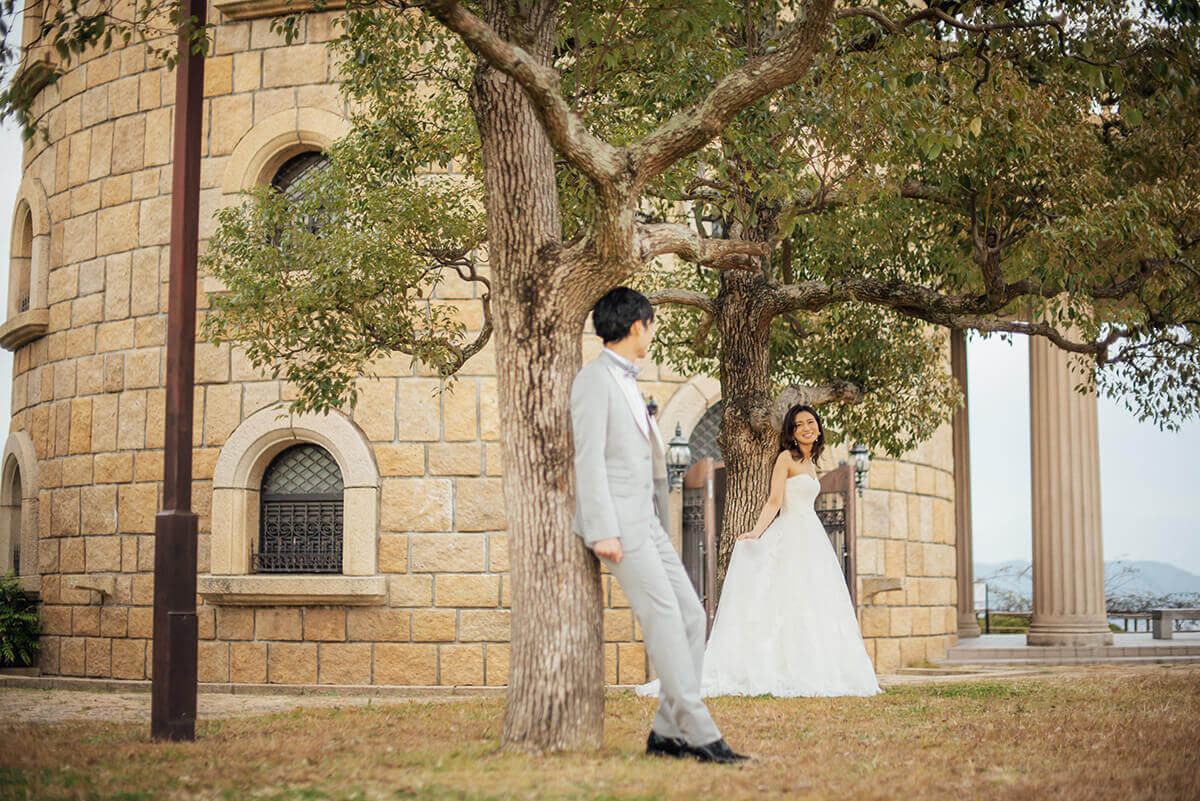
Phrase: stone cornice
x=23 y=328
x=257 y=9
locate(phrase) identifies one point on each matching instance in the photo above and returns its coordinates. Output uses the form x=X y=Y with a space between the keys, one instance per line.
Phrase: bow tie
x=630 y=370
x=626 y=368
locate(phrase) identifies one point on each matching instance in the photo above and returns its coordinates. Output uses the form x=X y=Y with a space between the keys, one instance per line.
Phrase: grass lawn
x=1101 y=733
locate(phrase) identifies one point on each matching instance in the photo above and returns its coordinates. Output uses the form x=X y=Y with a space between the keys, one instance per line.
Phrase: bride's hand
x=748 y=535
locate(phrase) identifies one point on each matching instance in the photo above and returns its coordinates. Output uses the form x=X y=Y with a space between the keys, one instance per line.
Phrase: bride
x=785 y=625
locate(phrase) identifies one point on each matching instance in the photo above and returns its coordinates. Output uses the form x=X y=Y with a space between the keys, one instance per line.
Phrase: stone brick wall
x=906 y=532
x=89 y=394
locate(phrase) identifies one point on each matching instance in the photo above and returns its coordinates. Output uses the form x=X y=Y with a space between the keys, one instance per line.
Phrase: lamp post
x=174 y=654
x=679 y=458
x=862 y=466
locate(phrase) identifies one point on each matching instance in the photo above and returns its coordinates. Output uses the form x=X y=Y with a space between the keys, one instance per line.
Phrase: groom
x=621 y=513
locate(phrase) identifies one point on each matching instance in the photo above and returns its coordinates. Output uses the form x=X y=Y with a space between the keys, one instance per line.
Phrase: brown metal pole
x=173 y=688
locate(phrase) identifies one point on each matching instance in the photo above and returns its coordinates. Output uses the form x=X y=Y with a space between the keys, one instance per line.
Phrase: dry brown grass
x=1113 y=733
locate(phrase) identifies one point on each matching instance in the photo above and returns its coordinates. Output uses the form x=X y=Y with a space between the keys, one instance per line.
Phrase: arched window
x=27 y=315
x=257 y=469
x=291 y=179
x=10 y=523
x=703 y=440
x=19 y=509
x=300 y=527
x=21 y=260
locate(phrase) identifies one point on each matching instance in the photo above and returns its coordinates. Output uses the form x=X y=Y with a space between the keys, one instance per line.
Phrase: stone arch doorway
x=703 y=439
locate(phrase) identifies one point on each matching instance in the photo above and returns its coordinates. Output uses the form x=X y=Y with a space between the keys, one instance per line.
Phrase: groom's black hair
x=615 y=313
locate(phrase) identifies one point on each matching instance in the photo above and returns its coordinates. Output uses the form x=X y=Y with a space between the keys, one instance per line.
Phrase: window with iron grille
x=300 y=528
x=703 y=440
x=292 y=179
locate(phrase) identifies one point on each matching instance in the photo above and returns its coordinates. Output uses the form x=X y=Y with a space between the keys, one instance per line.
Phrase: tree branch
x=915 y=190
x=952 y=311
x=697 y=300
x=1096 y=349
x=689 y=130
x=590 y=154
x=467 y=270
x=658 y=239
x=766 y=416
x=937 y=15
x=683 y=297
x=822 y=200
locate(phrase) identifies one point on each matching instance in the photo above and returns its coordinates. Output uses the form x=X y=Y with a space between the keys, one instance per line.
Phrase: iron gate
x=835 y=508
x=703 y=506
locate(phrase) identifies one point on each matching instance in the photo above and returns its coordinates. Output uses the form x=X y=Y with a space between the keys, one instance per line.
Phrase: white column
x=1068 y=559
x=968 y=625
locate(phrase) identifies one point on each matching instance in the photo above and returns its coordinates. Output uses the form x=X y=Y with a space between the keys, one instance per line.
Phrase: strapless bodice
x=799 y=493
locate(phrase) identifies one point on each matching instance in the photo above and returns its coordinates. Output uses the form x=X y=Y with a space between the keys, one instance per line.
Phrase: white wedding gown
x=785 y=625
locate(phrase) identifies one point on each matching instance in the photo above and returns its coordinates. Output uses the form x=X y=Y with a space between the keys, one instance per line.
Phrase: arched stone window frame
x=237 y=480
x=30 y=232
x=19 y=454
x=688 y=405
x=265 y=147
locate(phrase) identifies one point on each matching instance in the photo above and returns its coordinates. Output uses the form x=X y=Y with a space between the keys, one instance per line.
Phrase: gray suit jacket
x=621 y=474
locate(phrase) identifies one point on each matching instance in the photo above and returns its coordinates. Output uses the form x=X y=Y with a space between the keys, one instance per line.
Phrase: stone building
x=404 y=497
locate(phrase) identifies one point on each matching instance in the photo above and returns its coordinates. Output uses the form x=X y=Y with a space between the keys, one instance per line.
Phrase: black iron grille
x=693 y=536
x=289 y=177
x=294 y=180
x=831 y=509
x=300 y=537
x=301 y=522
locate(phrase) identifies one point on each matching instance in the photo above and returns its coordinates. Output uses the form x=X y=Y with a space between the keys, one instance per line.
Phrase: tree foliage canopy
x=1039 y=182
x=1022 y=168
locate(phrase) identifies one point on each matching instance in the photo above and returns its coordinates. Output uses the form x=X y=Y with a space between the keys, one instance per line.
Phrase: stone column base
x=1069 y=631
x=968 y=625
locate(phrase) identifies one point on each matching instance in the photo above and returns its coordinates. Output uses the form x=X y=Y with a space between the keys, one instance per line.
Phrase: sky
x=1148 y=483
x=1151 y=507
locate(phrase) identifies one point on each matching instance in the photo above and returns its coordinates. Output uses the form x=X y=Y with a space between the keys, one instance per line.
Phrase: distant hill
x=1124 y=577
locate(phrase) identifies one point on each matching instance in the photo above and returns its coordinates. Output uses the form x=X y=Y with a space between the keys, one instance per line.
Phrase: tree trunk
x=747 y=446
x=556 y=665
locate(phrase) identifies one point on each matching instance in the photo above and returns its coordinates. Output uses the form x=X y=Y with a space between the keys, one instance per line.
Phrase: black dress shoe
x=716 y=751
x=658 y=745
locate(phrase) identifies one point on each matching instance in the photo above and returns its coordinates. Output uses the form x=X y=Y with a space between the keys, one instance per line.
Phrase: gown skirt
x=785 y=625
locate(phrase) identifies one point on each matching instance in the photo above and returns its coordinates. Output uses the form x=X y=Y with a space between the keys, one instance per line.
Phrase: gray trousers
x=673 y=625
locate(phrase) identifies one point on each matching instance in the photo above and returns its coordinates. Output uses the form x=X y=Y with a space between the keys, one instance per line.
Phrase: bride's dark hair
x=787 y=434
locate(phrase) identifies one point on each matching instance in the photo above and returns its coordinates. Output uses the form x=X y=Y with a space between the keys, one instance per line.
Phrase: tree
x=572 y=152
x=986 y=193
